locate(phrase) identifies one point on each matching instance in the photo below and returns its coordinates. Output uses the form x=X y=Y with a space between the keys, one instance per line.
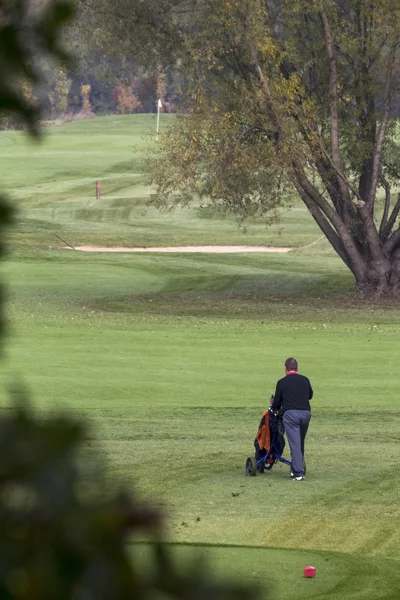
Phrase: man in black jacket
x=292 y=396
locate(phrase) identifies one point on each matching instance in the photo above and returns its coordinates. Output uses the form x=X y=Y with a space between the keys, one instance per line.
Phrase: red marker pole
x=98 y=186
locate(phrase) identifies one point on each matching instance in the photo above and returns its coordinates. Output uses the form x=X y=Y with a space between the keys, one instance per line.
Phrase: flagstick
x=158 y=119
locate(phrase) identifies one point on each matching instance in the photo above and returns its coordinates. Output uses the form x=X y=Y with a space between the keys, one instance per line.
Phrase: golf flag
x=159 y=107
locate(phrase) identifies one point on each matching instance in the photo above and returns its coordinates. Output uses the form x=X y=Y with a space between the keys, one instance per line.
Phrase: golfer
x=292 y=396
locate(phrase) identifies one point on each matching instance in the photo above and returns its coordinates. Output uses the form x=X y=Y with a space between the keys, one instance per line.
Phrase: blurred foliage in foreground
x=62 y=535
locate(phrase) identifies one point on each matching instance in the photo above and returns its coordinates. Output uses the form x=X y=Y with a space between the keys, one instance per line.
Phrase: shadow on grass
x=341 y=308
x=274 y=296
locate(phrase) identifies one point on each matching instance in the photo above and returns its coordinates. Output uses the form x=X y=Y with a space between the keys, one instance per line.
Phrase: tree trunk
x=377 y=280
x=381 y=277
x=373 y=259
x=378 y=283
x=395 y=273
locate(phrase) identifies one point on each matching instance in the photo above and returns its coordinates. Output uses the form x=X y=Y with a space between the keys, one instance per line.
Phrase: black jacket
x=293 y=392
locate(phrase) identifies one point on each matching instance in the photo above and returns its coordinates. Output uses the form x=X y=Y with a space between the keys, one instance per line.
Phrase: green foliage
x=207 y=155
x=24 y=40
x=224 y=97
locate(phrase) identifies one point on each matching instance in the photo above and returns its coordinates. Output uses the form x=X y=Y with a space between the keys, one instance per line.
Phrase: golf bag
x=269 y=444
x=270 y=436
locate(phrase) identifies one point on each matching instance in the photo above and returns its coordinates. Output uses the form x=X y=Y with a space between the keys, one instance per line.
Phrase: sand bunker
x=181 y=249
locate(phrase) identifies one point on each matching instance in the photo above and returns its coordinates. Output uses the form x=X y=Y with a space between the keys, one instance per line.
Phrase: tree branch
x=371 y=231
x=333 y=90
x=300 y=180
x=354 y=257
x=392 y=242
x=266 y=90
x=341 y=176
x=392 y=219
x=323 y=224
x=385 y=215
x=329 y=175
x=345 y=186
x=377 y=154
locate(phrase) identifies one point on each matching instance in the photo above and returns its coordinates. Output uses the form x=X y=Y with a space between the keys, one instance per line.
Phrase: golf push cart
x=269 y=444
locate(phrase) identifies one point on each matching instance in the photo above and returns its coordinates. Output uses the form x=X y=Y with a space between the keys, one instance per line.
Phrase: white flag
x=159 y=104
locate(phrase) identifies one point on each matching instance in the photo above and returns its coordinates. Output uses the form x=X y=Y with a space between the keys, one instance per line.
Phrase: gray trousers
x=296 y=423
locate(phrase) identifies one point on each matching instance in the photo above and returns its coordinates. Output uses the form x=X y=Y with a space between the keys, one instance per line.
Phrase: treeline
x=111 y=93
x=97 y=83
x=67 y=95
x=116 y=73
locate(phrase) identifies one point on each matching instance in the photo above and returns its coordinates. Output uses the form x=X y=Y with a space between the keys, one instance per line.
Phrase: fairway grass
x=53 y=185
x=278 y=572
x=172 y=359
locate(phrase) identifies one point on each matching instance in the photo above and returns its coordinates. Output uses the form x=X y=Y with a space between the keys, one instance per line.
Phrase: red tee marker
x=98 y=186
x=310 y=572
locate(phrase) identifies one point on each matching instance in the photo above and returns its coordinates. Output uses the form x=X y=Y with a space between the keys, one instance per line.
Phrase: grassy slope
x=172 y=357
x=54 y=186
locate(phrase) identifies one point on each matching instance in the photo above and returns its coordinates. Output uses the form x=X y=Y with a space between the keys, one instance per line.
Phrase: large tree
x=283 y=96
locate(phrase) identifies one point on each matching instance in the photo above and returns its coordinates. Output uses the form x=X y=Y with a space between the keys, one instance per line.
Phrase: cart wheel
x=268 y=466
x=251 y=468
x=261 y=467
